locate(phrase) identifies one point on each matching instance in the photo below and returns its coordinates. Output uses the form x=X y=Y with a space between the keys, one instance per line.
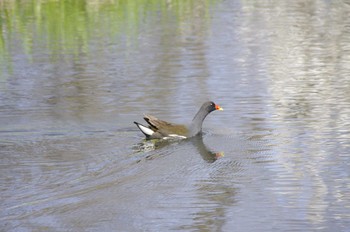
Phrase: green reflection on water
x=67 y=26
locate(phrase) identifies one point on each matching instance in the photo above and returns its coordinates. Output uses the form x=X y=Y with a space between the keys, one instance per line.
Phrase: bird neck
x=196 y=124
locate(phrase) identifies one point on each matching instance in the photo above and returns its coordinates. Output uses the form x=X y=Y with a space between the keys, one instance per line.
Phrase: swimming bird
x=158 y=129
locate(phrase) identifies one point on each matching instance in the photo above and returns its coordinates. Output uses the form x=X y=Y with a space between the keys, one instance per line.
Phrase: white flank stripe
x=177 y=136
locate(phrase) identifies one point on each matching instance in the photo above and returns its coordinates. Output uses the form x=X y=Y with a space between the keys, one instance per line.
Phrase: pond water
x=74 y=75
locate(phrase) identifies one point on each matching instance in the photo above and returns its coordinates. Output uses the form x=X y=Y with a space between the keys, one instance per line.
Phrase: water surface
x=74 y=75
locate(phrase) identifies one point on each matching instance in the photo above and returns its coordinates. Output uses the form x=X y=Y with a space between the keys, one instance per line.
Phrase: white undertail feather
x=145 y=130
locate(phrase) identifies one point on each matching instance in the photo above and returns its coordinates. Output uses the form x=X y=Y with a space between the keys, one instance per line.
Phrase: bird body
x=159 y=129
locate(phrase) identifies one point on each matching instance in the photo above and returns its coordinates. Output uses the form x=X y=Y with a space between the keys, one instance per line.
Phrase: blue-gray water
x=276 y=159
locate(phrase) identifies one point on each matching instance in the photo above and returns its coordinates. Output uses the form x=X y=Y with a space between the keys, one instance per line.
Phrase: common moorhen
x=159 y=129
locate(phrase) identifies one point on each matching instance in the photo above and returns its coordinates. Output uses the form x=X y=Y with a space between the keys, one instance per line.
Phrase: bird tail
x=145 y=130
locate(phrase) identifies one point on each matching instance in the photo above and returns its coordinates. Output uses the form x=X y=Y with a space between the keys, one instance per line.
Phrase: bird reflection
x=206 y=153
x=197 y=141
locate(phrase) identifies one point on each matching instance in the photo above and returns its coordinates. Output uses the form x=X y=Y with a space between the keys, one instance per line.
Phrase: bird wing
x=165 y=128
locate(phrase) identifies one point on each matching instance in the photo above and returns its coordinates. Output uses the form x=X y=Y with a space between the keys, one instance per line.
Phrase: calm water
x=74 y=76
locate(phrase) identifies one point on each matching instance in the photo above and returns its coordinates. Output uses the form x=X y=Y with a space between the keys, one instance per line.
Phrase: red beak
x=217 y=107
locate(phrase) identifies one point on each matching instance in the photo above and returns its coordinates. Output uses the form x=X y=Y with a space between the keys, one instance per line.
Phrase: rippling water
x=276 y=159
